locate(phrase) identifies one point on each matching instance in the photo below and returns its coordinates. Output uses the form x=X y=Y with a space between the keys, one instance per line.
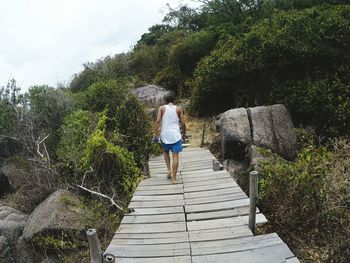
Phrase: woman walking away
x=169 y=118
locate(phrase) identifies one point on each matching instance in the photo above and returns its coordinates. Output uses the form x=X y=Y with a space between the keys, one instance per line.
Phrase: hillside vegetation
x=225 y=54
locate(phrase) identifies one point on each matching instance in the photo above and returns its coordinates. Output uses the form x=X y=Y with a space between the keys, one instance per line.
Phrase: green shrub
x=323 y=103
x=310 y=44
x=310 y=197
x=135 y=129
x=76 y=129
x=115 y=170
x=107 y=94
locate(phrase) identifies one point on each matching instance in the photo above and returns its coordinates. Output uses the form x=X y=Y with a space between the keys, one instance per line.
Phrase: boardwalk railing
x=205 y=217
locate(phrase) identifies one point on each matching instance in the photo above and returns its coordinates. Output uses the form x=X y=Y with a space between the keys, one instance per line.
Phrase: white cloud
x=47 y=41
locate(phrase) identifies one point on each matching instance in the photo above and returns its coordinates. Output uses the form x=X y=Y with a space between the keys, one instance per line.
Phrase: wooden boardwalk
x=203 y=218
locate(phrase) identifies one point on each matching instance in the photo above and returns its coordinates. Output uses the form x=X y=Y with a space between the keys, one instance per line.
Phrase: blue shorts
x=174 y=147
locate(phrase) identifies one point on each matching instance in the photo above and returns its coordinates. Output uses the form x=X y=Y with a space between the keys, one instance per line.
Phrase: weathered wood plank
x=219 y=234
x=152 y=228
x=169 y=186
x=159 y=192
x=130 y=219
x=217 y=206
x=272 y=254
x=157 y=197
x=151 y=241
x=214 y=199
x=215 y=192
x=154 y=204
x=148 y=236
x=234 y=245
x=157 y=211
x=240 y=211
x=209 y=187
x=177 y=259
x=144 y=251
x=221 y=223
x=210 y=182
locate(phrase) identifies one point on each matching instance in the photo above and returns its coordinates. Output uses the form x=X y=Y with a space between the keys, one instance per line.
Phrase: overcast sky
x=47 y=41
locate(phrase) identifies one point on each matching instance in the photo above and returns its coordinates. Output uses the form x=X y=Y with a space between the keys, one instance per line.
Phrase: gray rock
x=5 y=186
x=235 y=168
x=255 y=156
x=61 y=211
x=12 y=223
x=151 y=94
x=272 y=128
x=25 y=252
x=284 y=131
x=14 y=175
x=235 y=133
x=5 y=250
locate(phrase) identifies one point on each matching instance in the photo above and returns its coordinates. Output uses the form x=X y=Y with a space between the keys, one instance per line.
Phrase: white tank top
x=170 y=132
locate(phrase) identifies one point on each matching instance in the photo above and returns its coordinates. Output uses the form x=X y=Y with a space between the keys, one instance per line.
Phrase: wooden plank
x=272 y=254
x=157 y=211
x=234 y=245
x=212 y=177
x=219 y=234
x=214 y=199
x=213 y=192
x=144 y=251
x=130 y=219
x=224 y=222
x=240 y=211
x=177 y=259
x=150 y=204
x=209 y=187
x=217 y=206
x=159 y=192
x=157 y=197
x=158 y=181
x=152 y=228
x=169 y=186
x=144 y=241
x=148 y=236
x=210 y=182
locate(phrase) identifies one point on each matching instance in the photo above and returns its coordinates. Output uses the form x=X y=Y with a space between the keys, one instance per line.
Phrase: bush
x=323 y=103
x=115 y=170
x=76 y=129
x=135 y=128
x=290 y=46
x=107 y=94
x=310 y=198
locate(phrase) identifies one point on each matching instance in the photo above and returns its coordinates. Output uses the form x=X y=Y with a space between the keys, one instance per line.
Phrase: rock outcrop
x=235 y=133
x=152 y=95
x=243 y=130
x=61 y=211
x=12 y=246
x=272 y=128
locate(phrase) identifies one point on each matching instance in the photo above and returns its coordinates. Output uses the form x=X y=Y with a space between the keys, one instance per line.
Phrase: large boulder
x=12 y=223
x=13 y=174
x=235 y=133
x=151 y=94
x=12 y=246
x=272 y=128
x=5 y=251
x=61 y=211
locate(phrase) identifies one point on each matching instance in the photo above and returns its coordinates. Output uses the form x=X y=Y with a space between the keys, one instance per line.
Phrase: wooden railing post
x=216 y=165
x=108 y=258
x=253 y=195
x=95 y=246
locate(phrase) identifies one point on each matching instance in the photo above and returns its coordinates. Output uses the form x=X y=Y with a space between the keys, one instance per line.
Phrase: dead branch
x=102 y=195
x=85 y=174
